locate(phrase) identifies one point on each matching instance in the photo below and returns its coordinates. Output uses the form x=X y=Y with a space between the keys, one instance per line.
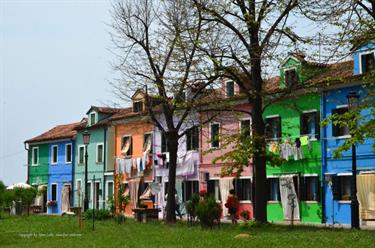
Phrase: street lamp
x=352 y=105
x=86 y=141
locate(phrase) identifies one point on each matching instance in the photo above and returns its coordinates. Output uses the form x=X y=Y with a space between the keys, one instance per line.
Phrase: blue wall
x=60 y=173
x=364 y=48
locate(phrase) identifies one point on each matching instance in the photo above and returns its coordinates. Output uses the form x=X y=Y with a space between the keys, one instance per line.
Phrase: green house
x=293 y=136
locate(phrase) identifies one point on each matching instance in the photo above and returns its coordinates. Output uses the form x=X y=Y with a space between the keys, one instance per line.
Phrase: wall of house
x=356 y=55
x=39 y=174
x=290 y=111
x=60 y=173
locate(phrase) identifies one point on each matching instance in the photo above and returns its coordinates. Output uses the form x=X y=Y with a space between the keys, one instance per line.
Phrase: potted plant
x=51 y=203
x=245 y=214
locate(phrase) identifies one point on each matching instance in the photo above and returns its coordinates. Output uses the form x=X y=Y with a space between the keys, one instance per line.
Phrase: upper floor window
x=99 y=153
x=68 y=153
x=273 y=127
x=54 y=154
x=192 y=139
x=367 y=62
x=229 y=88
x=147 y=143
x=290 y=77
x=309 y=124
x=138 y=106
x=81 y=154
x=92 y=118
x=35 y=156
x=127 y=146
x=340 y=130
x=214 y=135
x=245 y=126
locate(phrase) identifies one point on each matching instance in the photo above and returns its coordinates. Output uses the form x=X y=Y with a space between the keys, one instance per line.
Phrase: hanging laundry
x=304 y=140
x=138 y=164
x=273 y=147
x=286 y=150
x=297 y=150
x=122 y=165
x=128 y=166
x=117 y=166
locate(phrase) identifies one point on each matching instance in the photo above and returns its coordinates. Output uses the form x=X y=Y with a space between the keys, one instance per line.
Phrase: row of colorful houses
x=127 y=150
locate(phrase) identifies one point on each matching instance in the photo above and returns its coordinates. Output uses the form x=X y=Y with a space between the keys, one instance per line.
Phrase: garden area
x=51 y=231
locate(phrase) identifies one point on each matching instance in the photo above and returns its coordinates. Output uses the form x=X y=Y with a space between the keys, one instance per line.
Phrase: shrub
x=245 y=214
x=100 y=214
x=249 y=224
x=207 y=211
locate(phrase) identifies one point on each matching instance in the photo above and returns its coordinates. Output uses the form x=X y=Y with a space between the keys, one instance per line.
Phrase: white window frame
x=137 y=101
x=80 y=182
x=360 y=59
x=57 y=154
x=293 y=67
x=97 y=146
x=246 y=119
x=95 y=118
x=209 y=134
x=84 y=151
x=71 y=153
x=57 y=190
x=32 y=156
x=106 y=188
x=342 y=136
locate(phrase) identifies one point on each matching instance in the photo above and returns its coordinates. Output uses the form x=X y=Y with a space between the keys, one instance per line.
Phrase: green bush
x=248 y=224
x=191 y=205
x=207 y=211
x=100 y=214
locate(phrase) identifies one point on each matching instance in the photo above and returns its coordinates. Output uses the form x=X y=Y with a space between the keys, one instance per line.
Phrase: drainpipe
x=323 y=150
x=26 y=146
x=104 y=166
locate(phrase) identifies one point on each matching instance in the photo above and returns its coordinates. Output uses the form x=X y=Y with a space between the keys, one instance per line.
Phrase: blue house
x=338 y=172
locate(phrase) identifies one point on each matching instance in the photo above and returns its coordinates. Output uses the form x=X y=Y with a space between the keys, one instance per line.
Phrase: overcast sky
x=54 y=64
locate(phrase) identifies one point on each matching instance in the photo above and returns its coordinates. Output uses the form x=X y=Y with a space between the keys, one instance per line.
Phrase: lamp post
x=353 y=104
x=86 y=141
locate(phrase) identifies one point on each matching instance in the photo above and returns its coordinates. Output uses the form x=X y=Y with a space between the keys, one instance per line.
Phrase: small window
x=337 y=130
x=229 y=88
x=53 y=192
x=214 y=135
x=147 y=143
x=92 y=119
x=245 y=126
x=273 y=189
x=89 y=189
x=54 y=155
x=367 y=62
x=213 y=189
x=99 y=153
x=138 y=106
x=35 y=156
x=188 y=189
x=79 y=186
x=309 y=124
x=192 y=139
x=127 y=145
x=164 y=143
x=68 y=153
x=81 y=154
x=341 y=188
x=290 y=77
x=242 y=187
x=110 y=190
x=273 y=127
x=309 y=188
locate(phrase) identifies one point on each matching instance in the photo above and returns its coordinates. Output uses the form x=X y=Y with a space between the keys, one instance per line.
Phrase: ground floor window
x=273 y=189
x=213 y=189
x=341 y=187
x=309 y=188
x=53 y=192
x=242 y=188
x=110 y=186
x=188 y=189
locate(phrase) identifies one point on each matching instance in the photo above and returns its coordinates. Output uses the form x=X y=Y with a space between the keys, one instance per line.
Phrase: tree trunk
x=172 y=137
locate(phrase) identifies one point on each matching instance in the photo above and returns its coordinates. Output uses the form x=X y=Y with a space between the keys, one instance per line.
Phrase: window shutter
x=317 y=125
x=302 y=188
x=279 y=127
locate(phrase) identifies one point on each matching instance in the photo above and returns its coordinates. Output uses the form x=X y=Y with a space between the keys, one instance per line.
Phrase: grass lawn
x=63 y=232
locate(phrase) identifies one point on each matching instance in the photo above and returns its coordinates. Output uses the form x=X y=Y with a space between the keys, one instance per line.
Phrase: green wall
x=38 y=174
x=290 y=110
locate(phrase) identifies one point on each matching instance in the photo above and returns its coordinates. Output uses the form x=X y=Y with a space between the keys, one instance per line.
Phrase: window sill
x=273 y=202
x=53 y=163
x=343 y=137
x=245 y=201
x=34 y=165
x=344 y=201
x=310 y=202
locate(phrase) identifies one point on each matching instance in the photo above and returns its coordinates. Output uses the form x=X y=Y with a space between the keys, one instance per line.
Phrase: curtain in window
x=39 y=200
x=226 y=184
x=65 y=201
x=133 y=189
x=366 y=195
x=126 y=146
x=289 y=199
x=147 y=145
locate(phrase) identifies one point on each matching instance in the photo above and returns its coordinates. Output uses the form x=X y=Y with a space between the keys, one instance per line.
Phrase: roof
x=337 y=72
x=104 y=110
x=66 y=131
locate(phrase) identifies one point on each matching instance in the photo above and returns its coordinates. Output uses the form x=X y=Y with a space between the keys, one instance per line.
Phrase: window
x=213 y=189
x=242 y=187
x=273 y=127
x=53 y=192
x=35 y=156
x=68 y=153
x=164 y=143
x=138 y=106
x=147 y=143
x=273 y=189
x=337 y=130
x=309 y=124
x=99 y=153
x=229 y=88
x=309 y=188
x=245 y=126
x=54 y=154
x=81 y=154
x=89 y=189
x=127 y=145
x=214 y=135
x=188 y=189
x=367 y=62
x=341 y=187
x=79 y=187
x=290 y=77
x=92 y=119
x=192 y=139
x=110 y=190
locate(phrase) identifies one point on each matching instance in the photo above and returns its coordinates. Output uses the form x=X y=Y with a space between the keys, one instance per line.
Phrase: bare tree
x=156 y=44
